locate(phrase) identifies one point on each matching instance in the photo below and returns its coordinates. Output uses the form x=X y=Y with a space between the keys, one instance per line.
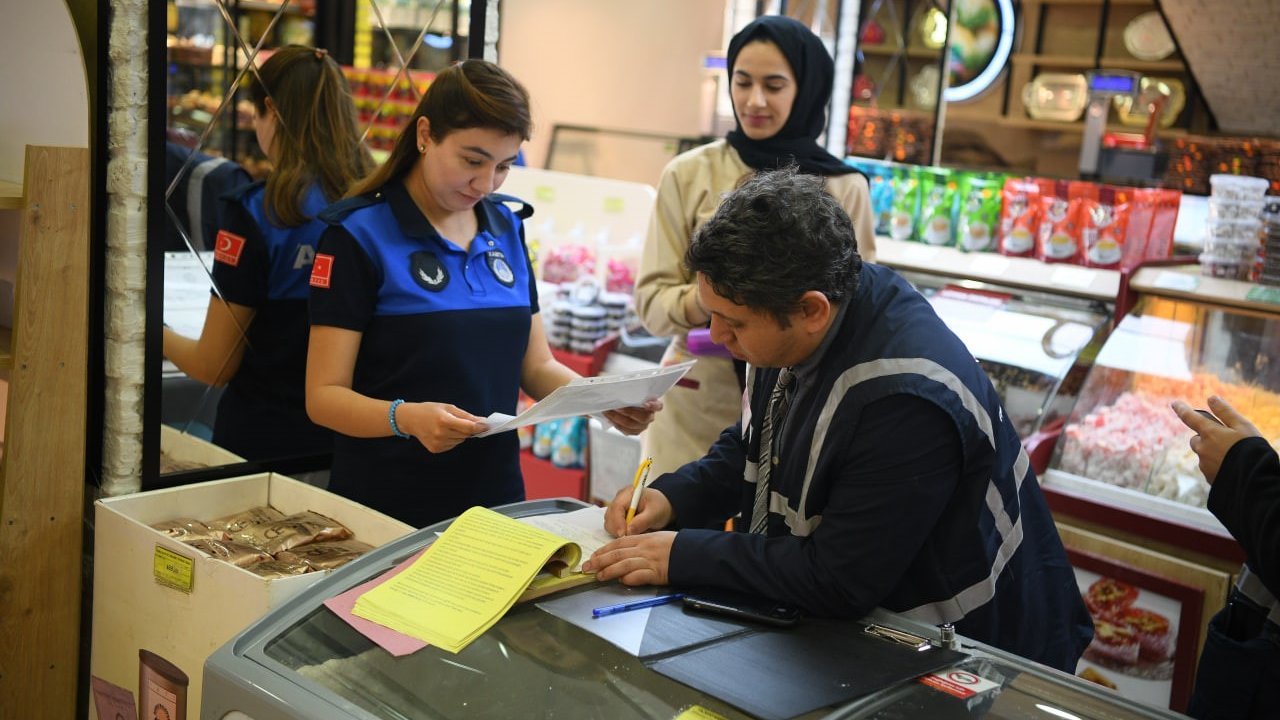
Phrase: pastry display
x=1127 y=637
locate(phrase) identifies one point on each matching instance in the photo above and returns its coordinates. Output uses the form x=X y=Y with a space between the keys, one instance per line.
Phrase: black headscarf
x=815 y=73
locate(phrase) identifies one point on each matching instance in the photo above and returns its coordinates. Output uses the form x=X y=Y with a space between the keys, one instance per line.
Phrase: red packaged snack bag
x=1141 y=210
x=1163 y=219
x=1019 y=213
x=1104 y=223
x=1059 y=236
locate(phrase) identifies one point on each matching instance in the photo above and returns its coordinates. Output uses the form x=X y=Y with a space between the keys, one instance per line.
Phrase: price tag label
x=1260 y=293
x=918 y=252
x=990 y=264
x=1073 y=277
x=1182 y=282
x=173 y=570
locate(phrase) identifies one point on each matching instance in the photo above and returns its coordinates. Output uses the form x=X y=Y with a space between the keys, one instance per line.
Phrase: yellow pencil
x=637 y=487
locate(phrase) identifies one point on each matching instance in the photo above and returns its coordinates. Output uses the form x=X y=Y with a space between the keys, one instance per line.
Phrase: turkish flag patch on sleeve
x=321 y=269
x=228 y=248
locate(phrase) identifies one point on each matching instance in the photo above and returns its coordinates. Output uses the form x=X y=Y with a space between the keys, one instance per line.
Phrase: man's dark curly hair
x=776 y=237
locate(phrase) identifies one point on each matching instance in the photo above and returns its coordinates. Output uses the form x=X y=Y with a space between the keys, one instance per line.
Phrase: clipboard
x=777 y=674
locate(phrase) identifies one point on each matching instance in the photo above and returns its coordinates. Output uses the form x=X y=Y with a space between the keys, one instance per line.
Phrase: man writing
x=873 y=465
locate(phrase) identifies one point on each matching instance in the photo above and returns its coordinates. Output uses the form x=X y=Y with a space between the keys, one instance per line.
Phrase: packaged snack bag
x=1104 y=224
x=292 y=531
x=236 y=522
x=1059 y=236
x=906 y=203
x=979 y=213
x=937 y=205
x=880 y=179
x=1163 y=219
x=187 y=529
x=1141 y=211
x=1019 y=217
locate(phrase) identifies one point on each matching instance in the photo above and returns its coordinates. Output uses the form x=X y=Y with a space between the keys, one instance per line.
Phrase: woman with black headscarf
x=780 y=79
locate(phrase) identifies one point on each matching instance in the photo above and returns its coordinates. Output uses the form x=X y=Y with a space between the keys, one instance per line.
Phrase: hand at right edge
x=653 y=513
x=440 y=427
x=1214 y=438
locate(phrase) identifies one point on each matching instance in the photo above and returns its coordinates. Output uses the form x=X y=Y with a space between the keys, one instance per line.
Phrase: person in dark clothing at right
x=1239 y=675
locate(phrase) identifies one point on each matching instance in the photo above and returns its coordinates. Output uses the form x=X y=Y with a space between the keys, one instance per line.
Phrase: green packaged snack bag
x=979 y=213
x=906 y=202
x=937 y=204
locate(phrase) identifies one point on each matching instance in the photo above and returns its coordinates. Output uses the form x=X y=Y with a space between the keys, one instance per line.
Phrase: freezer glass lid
x=531 y=664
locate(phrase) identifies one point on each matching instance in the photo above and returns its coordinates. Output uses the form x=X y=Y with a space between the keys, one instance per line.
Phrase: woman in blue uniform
x=254 y=339
x=424 y=311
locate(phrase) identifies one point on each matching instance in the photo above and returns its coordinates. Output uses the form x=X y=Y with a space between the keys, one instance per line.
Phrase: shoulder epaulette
x=524 y=211
x=337 y=212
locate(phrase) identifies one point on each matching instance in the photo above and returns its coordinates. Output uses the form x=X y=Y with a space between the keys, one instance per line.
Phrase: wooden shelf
x=1078 y=62
x=6 y=348
x=1092 y=3
x=1074 y=126
x=1186 y=283
x=911 y=52
x=11 y=196
x=1078 y=126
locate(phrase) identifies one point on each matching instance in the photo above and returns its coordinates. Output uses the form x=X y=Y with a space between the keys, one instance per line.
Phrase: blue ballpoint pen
x=635 y=605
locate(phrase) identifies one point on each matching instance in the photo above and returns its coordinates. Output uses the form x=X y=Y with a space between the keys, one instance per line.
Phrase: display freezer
x=302 y=661
x=1123 y=445
x=1033 y=345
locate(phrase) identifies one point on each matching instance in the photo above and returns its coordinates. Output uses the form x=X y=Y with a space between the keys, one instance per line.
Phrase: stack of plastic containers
x=1269 y=267
x=1232 y=245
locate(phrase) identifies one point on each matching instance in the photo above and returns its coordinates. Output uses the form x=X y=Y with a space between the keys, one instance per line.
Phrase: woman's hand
x=1213 y=439
x=440 y=427
x=633 y=420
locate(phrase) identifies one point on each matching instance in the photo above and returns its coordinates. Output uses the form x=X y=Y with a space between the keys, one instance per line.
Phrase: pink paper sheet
x=396 y=643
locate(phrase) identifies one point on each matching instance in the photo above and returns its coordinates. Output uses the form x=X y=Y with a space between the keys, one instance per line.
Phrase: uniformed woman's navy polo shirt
x=258 y=264
x=439 y=325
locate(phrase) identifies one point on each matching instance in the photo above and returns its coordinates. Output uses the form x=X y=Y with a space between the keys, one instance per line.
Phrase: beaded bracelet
x=391 y=418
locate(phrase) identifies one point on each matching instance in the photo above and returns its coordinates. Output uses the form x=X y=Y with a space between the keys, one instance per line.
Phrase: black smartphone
x=742 y=606
x=1207 y=414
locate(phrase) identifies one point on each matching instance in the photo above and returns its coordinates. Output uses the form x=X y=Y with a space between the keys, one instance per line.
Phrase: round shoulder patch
x=428 y=271
x=499 y=267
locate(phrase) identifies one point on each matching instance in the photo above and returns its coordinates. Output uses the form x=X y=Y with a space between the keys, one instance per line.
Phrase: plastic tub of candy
x=1222 y=209
x=1240 y=232
x=1238 y=187
x=1223 y=267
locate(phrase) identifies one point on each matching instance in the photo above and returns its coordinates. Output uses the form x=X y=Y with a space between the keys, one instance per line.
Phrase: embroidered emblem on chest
x=499 y=267
x=428 y=271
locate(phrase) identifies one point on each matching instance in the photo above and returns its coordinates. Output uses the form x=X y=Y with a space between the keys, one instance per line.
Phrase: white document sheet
x=591 y=396
x=584 y=527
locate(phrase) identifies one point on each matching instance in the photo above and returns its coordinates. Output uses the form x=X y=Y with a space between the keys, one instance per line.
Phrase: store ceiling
x=1232 y=51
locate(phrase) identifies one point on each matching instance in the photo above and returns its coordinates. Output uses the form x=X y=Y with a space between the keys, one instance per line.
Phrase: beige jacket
x=688 y=194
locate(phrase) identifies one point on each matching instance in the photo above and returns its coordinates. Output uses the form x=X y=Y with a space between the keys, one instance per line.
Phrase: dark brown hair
x=316 y=139
x=470 y=94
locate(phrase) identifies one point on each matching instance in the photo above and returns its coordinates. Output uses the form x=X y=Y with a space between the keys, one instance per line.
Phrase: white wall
x=43 y=96
x=617 y=64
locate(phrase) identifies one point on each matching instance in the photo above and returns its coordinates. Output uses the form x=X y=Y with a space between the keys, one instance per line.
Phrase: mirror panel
x=390 y=50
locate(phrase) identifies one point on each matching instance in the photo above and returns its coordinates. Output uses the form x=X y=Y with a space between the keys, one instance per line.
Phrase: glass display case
x=1035 y=346
x=301 y=661
x=1122 y=444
